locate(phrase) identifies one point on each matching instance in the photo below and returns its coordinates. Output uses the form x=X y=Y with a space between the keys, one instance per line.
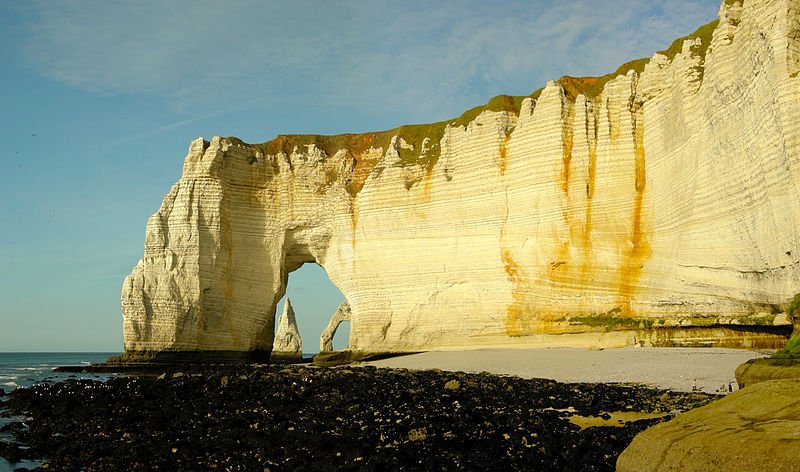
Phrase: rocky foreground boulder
x=756 y=429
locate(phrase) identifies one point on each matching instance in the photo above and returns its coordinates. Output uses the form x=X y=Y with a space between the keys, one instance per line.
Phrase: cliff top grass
x=792 y=349
x=704 y=33
x=356 y=145
x=593 y=86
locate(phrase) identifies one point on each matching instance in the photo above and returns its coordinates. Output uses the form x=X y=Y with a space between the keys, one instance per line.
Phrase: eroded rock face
x=287 y=344
x=658 y=207
x=755 y=428
x=326 y=339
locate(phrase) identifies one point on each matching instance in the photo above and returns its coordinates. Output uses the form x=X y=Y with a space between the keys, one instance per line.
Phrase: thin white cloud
x=410 y=58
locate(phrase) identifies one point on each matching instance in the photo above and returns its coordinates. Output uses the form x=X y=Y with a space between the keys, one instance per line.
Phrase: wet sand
x=676 y=369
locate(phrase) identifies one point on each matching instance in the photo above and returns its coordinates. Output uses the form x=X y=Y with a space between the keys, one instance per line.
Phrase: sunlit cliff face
x=656 y=205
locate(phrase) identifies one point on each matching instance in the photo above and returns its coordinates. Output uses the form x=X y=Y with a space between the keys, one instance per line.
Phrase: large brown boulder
x=760 y=370
x=756 y=428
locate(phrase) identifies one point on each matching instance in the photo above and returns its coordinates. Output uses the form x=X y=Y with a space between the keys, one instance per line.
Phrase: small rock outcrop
x=287 y=345
x=326 y=338
x=756 y=428
x=761 y=370
x=784 y=364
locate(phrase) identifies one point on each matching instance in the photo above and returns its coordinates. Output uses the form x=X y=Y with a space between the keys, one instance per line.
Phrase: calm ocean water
x=23 y=369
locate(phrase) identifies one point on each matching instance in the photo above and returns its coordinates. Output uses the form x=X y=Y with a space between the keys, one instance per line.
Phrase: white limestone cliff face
x=662 y=210
x=287 y=343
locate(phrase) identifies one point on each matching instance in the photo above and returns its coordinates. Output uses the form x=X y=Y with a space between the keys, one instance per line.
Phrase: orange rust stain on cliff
x=639 y=163
x=587 y=230
x=511 y=266
x=590 y=130
x=566 y=161
x=503 y=164
x=353 y=219
x=425 y=195
x=592 y=172
x=586 y=236
x=515 y=309
x=640 y=247
x=363 y=167
x=560 y=270
x=613 y=123
x=636 y=257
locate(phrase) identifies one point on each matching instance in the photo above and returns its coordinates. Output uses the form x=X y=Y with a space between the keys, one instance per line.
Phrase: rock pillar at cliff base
x=656 y=205
x=287 y=344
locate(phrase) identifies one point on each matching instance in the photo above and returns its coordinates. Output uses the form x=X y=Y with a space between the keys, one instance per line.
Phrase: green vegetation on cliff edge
x=792 y=349
x=356 y=145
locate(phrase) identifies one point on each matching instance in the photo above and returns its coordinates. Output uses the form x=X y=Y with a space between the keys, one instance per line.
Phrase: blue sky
x=100 y=100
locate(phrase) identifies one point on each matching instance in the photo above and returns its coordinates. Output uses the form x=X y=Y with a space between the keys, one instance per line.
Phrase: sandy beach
x=675 y=369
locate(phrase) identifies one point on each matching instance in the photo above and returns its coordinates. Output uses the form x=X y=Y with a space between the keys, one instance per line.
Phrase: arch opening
x=313 y=297
x=341 y=336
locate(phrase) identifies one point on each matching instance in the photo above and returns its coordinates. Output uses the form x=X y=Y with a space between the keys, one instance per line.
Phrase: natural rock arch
x=326 y=338
x=655 y=203
x=304 y=245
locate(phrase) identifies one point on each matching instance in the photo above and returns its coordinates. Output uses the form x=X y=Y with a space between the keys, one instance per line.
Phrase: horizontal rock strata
x=657 y=205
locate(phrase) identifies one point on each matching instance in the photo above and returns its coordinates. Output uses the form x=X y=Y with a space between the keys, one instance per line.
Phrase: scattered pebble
x=310 y=418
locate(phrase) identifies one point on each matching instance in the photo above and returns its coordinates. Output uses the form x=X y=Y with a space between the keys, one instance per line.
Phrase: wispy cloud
x=172 y=125
x=415 y=58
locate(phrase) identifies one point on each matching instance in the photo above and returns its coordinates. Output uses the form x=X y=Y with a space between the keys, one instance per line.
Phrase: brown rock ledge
x=757 y=428
x=760 y=370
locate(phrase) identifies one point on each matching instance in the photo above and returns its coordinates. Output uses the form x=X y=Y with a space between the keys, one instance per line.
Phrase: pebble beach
x=359 y=417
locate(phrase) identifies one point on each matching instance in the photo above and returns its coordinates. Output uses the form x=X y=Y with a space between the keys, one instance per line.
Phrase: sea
x=24 y=369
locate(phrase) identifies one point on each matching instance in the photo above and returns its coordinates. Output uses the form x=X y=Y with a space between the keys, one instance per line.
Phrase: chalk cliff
x=657 y=205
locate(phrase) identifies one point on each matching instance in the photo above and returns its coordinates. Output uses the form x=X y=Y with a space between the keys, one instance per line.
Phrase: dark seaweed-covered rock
x=345 y=418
